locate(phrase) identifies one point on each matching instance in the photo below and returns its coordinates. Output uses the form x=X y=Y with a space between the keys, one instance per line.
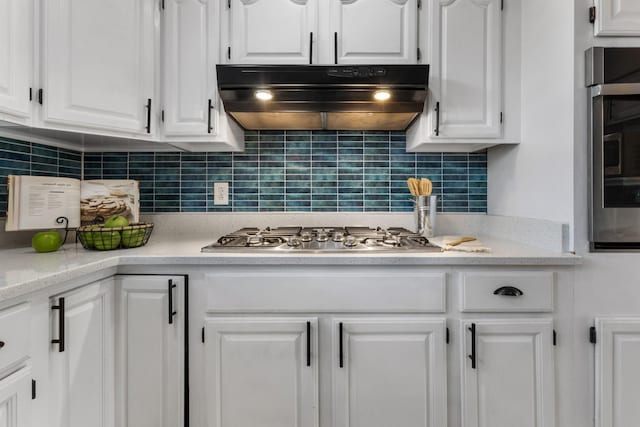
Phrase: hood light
x=264 y=95
x=382 y=95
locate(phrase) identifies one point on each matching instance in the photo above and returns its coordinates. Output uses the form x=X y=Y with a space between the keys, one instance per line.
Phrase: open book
x=36 y=201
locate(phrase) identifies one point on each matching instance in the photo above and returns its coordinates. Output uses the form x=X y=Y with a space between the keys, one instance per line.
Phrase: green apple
x=106 y=240
x=133 y=238
x=116 y=221
x=87 y=236
x=46 y=241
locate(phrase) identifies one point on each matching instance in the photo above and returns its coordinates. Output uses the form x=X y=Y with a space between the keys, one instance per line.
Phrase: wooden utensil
x=425 y=187
x=461 y=240
x=414 y=186
x=410 y=185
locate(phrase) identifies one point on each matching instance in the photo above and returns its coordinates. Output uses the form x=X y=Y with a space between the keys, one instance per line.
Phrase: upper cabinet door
x=466 y=64
x=374 y=31
x=189 y=68
x=617 y=18
x=16 y=51
x=98 y=64
x=272 y=31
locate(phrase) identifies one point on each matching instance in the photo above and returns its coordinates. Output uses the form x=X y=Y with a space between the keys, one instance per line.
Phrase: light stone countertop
x=23 y=271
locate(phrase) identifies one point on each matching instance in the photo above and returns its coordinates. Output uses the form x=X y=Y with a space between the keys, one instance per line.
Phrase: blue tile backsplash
x=292 y=171
x=23 y=158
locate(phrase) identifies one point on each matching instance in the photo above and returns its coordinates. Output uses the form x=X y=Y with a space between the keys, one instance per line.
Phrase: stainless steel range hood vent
x=314 y=97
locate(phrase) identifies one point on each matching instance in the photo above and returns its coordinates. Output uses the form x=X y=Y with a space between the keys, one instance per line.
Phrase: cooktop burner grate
x=322 y=239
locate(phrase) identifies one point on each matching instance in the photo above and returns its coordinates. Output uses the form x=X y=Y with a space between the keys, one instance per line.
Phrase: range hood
x=314 y=97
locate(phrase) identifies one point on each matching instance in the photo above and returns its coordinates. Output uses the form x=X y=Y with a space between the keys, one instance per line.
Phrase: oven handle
x=615 y=89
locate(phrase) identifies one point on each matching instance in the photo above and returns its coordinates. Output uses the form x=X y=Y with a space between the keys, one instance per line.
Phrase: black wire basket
x=108 y=238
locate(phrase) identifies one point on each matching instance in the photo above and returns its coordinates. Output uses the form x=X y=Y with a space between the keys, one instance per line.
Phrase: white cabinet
x=149 y=360
x=98 y=66
x=617 y=372
x=16 y=59
x=261 y=371
x=81 y=357
x=464 y=111
x=15 y=366
x=15 y=399
x=192 y=114
x=188 y=67
x=389 y=371
x=617 y=18
x=375 y=31
x=292 y=32
x=271 y=31
x=508 y=373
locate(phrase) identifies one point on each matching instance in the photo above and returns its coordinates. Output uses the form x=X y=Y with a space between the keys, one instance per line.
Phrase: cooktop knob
x=350 y=241
x=305 y=236
x=322 y=236
x=255 y=240
x=390 y=239
x=338 y=236
x=294 y=241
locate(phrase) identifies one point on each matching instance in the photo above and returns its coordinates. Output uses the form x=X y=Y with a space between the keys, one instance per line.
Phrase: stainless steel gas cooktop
x=322 y=239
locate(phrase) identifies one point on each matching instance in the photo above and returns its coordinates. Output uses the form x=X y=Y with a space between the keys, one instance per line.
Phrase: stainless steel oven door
x=614 y=213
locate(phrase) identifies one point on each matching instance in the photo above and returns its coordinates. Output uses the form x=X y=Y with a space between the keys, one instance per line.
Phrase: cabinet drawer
x=329 y=292
x=14 y=334
x=512 y=292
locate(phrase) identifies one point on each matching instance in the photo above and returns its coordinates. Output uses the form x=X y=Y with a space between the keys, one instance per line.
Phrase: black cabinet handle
x=172 y=313
x=472 y=356
x=308 y=343
x=509 y=291
x=1 y=344
x=335 y=47
x=209 y=128
x=60 y=340
x=311 y=48
x=341 y=350
x=148 y=115
x=437 y=129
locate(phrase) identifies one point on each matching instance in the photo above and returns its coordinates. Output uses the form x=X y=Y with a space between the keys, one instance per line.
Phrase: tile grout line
x=258 y=154
x=337 y=173
x=284 y=172
x=311 y=171
x=180 y=181
x=363 y=209
x=468 y=172
x=233 y=172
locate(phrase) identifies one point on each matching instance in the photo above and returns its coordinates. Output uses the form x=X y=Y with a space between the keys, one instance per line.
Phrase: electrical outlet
x=220 y=193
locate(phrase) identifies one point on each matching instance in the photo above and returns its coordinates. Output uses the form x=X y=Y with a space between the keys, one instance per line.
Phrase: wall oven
x=613 y=78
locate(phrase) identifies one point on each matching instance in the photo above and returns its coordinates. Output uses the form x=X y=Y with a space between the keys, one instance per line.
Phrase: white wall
x=535 y=179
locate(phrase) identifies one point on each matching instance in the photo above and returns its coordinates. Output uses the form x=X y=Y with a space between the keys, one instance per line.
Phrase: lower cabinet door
x=81 y=358
x=389 y=372
x=508 y=373
x=261 y=371
x=150 y=342
x=617 y=372
x=15 y=399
